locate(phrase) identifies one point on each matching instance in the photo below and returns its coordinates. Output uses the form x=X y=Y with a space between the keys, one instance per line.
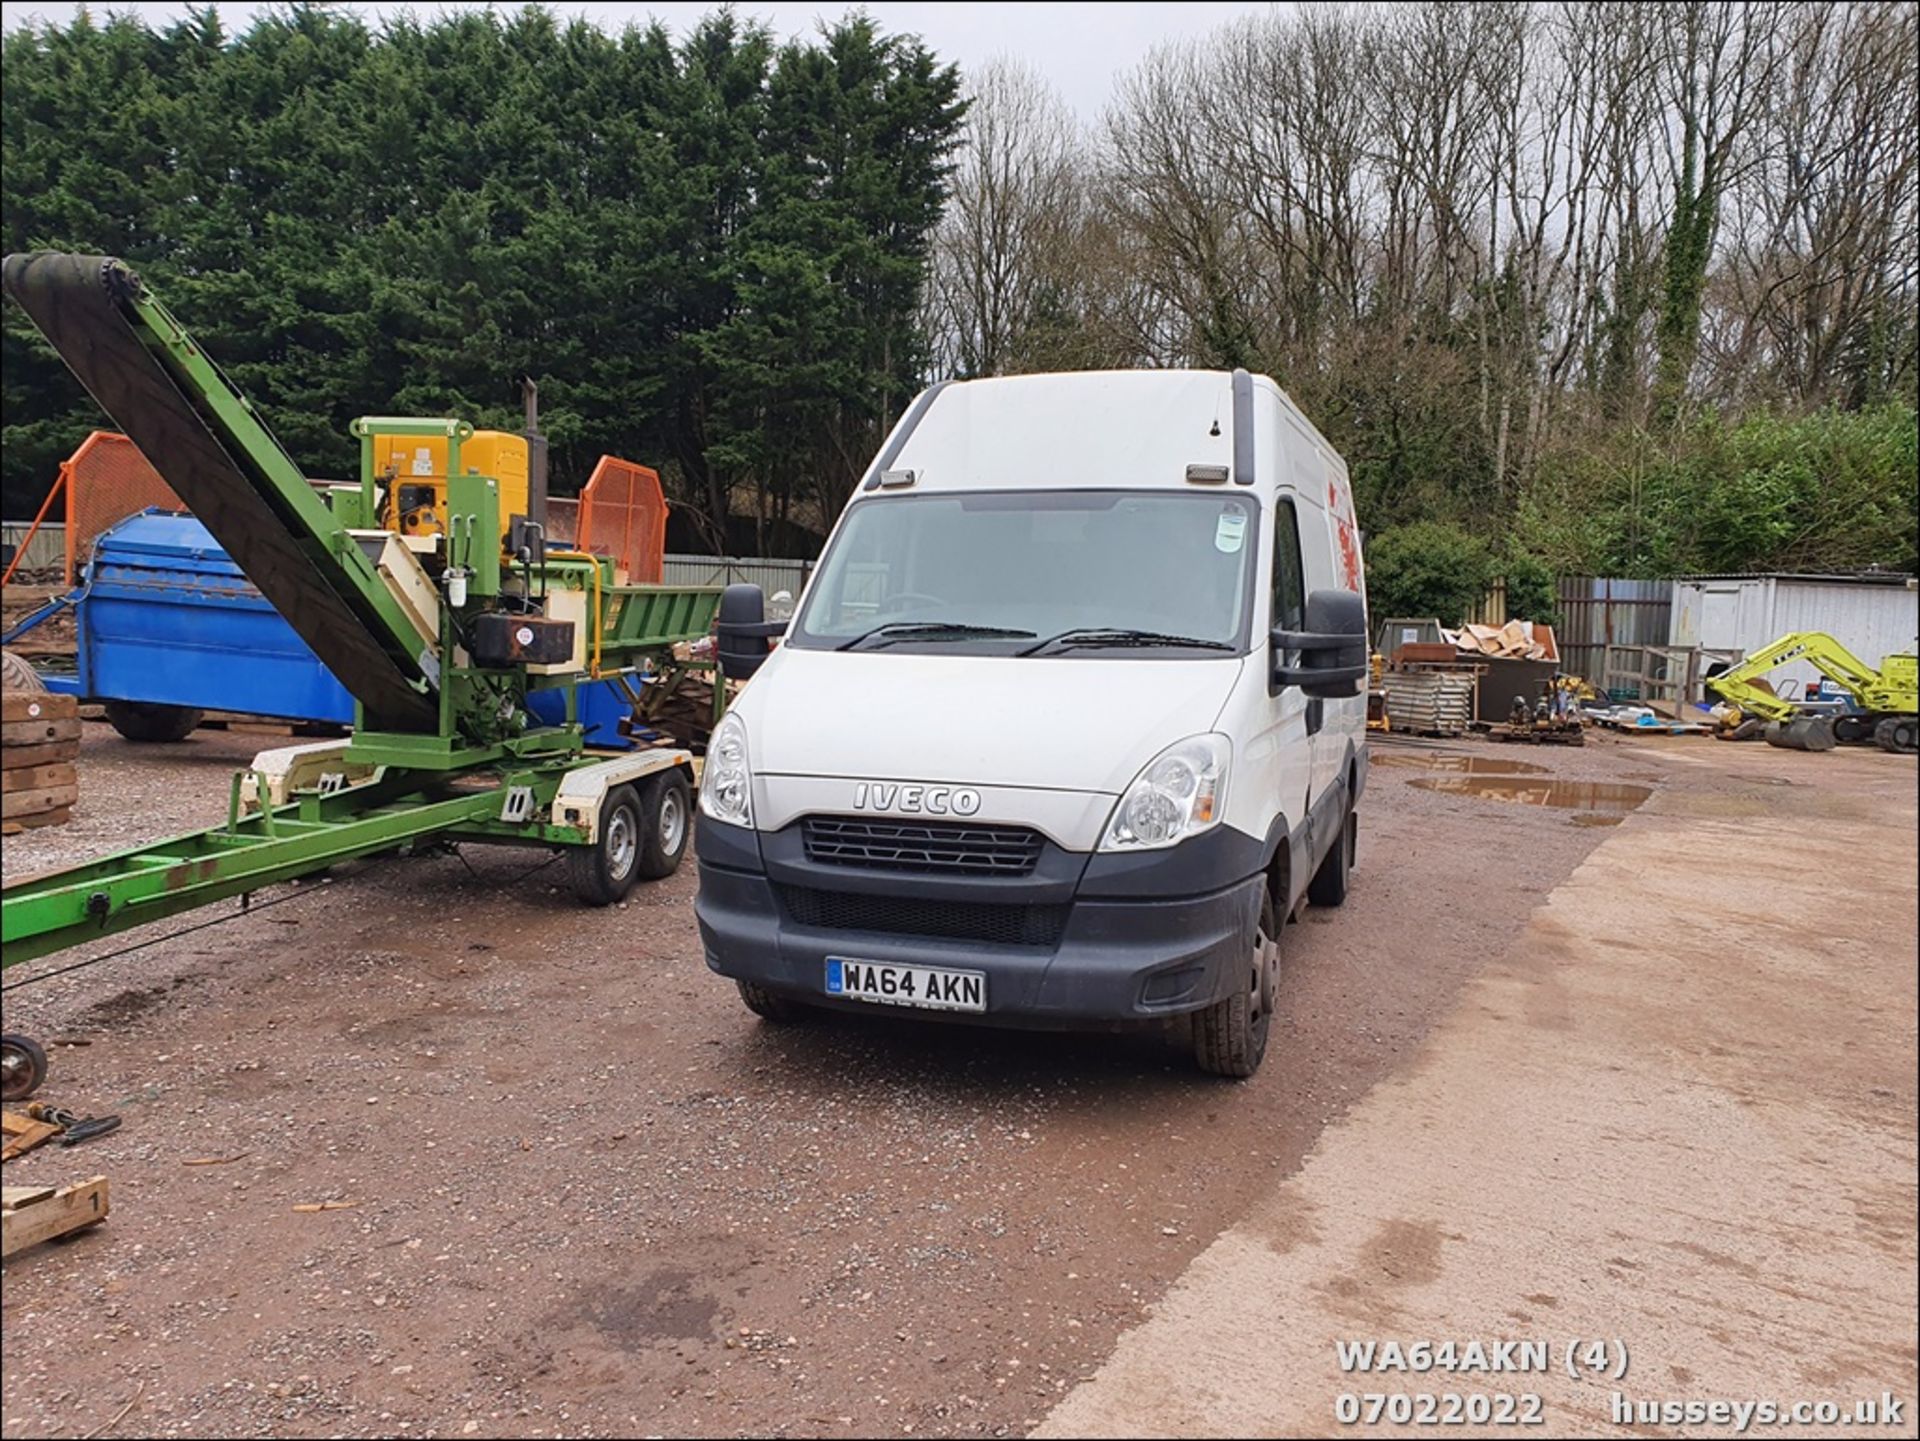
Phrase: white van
x=1067 y=723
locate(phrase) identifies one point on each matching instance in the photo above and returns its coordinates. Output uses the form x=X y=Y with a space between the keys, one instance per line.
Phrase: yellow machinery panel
x=413 y=469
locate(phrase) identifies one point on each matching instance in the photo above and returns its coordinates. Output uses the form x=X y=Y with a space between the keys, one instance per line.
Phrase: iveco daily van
x=1067 y=723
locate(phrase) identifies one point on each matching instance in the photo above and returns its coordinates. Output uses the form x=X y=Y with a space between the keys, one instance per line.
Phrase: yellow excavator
x=1887 y=700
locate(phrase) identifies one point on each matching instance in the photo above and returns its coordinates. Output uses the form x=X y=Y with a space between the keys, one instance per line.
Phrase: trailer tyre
x=605 y=871
x=1230 y=1036
x=139 y=721
x=666 y=806
x=1329 y=884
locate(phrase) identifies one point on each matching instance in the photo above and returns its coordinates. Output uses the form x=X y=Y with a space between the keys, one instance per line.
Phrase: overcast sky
x=1079 y=47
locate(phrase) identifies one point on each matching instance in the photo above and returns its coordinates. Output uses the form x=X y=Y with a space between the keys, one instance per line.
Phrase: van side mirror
x=1332 y=649
x=742 y=631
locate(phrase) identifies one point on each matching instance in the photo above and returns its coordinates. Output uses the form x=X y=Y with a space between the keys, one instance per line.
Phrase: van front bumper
x=1063 y=961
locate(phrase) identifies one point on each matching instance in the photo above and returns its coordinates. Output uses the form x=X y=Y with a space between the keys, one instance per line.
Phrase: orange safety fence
x=623 y=514
x=107 y=479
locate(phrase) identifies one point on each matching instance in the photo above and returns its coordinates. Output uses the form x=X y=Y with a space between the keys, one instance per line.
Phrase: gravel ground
x=592 y=1195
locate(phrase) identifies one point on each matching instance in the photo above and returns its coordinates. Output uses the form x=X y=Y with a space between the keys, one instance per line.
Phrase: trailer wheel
x=1230 y=1036
x=605 y=871
x=666 y=808
x=23 y=1066
x=139 y=721
x=769 y=1007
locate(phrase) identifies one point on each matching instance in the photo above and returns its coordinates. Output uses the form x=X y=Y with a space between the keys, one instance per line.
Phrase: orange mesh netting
x=623 y=514
x=107 y=480
x=563 y=520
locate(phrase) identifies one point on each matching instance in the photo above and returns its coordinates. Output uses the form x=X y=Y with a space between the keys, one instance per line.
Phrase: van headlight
x=1181 y=792
x=726 y=781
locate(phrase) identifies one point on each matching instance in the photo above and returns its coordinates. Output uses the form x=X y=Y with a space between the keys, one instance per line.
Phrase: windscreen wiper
x=1096 y=636
x=934 y=630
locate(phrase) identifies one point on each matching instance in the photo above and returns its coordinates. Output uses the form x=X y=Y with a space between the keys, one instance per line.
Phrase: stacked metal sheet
x=1437 y=703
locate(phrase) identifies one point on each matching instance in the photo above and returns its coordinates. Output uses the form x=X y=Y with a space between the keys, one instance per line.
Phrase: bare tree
x=1016 y=205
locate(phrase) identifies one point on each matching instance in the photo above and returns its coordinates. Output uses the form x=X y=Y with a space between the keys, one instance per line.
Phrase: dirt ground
x=594 y=1196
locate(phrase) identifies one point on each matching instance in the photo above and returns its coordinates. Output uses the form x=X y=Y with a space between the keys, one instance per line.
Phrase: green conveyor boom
x=161 y=388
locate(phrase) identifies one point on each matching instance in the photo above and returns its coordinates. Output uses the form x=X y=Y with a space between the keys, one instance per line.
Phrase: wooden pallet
x=32 y=1214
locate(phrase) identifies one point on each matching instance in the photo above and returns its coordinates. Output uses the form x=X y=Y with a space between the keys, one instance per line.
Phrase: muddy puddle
x=1611 y=799
x=1468 y=765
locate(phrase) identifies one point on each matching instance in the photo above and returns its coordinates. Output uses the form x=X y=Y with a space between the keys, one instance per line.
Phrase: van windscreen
x=992 y=572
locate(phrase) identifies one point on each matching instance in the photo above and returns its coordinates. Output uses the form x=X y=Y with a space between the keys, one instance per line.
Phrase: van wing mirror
x=742 y=630
x=1332 y=650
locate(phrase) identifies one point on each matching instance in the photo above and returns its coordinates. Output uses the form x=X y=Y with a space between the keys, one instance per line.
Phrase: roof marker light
x=1206 y=475
x=892 y=479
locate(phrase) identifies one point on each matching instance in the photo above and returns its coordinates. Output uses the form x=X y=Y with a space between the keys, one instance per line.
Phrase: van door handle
x=1316 y=715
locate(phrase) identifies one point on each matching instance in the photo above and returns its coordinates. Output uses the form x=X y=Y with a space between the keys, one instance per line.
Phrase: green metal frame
x=263 y=847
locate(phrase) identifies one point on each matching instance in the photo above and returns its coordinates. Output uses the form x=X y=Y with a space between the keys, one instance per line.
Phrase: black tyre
x=138 y=721
x=769 y=1007
x=1230 y=1036
x=23 y=1066
x=1329 y=884
x=666 y=808
x=605 y=871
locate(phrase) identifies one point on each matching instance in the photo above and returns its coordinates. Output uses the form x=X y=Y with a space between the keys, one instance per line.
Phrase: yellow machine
x=1888 y=698
x=413 y=471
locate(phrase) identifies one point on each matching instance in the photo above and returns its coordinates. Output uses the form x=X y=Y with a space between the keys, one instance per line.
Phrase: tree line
x=1611 y=287
x=707 y=252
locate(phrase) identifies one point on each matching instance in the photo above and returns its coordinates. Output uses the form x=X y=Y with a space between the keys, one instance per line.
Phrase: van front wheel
x=769 y=1007
x=1230 y=1036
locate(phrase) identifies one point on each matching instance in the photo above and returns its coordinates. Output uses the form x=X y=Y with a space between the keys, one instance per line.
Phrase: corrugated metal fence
x=772 y=576
x=1599 y=611
x=48 y=547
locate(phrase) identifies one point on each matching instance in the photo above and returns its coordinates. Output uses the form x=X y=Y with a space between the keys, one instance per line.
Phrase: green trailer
x=440 y=639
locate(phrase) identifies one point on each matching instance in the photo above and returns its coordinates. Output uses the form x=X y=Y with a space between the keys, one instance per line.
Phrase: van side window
x=1289 y=579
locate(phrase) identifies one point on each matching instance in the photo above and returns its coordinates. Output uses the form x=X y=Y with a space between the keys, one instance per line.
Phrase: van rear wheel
x=1329 y=884
x=1230 y=1036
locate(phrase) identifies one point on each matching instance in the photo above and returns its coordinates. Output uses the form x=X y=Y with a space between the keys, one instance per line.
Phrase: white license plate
x=927 y=986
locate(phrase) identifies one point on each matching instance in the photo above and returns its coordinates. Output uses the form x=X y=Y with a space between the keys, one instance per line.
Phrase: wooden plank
x=24 y=1133
x=26 y=705
x=36 y=778
x=35 y=1214
x=39 y=732
x=52 y=753
x=18 y=805
x=57 y=817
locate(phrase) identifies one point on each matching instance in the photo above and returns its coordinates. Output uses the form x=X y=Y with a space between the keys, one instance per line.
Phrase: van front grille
x=985 y=922
x=928 y=847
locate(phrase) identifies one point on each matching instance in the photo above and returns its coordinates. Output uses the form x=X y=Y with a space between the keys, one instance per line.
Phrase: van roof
x=1081 y=429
